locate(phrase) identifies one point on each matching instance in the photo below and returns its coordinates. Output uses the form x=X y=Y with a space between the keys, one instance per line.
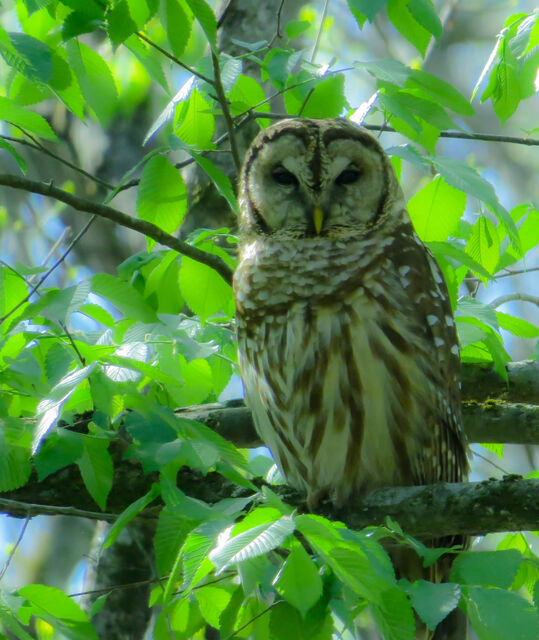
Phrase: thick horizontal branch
x=142 y=226
x=492 y=410
x=472 y=508
x=475 y=508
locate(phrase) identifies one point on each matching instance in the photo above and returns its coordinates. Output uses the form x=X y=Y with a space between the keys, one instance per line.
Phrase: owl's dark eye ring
x=348 y=176
x=284 y=177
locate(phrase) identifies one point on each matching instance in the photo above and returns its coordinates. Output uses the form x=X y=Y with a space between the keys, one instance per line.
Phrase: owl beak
x=318 y=219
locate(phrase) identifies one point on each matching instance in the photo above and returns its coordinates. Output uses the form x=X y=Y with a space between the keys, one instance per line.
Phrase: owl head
x=305 y=178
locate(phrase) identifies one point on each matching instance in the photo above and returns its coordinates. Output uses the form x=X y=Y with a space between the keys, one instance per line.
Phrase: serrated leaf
x=254 y=542
x=440 y=90
x=394 y=616
x=161 y=197
x=172 y=530
x=202 y=287
x=219 y=179
x=28 y=120
x=212 y=601
x=178 y=26
x=483 y=244
x=436 y=209
x=95 y=79
x=517 y=326
x=15 y=467
x=59 y=450
x=399 y=14
x=120 y=23
x=194 y=122
x=487 y=568
x=206 y=18
x=59 y=610
x=49 y=409
x=387 y=70
x=367 y=8
x=434 y=602
x=4 y=144
x=299 y=580
x=123 y=296
x=96 y=469
x=497 y=614
x=129 y=513
x=467 y=179
x=36 y=54
x=425 y=14
x=295 y=28
x=327 y=99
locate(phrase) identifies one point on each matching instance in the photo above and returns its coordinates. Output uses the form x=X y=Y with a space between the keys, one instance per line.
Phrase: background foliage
x=107 y=100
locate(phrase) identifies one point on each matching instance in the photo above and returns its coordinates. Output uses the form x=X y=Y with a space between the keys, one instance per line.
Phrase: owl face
x=304 y=178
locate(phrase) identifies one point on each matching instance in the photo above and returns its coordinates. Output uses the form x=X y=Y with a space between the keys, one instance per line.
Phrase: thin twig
x=54 y=266
x=224 y=13
x=258 y=615
x=15 y=547
x=319 y=32
x=174 y=59
x=512 y=297
x=72 y=342
x=39 y=147
x=104 y=211
x=487 y=137
x=223 y=101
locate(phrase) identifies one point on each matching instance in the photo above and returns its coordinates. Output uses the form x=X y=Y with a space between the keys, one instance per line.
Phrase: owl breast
x=327 y=369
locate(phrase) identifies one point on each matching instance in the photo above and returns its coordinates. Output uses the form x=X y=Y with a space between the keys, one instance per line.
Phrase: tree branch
x=142 y=226
x=461 y=135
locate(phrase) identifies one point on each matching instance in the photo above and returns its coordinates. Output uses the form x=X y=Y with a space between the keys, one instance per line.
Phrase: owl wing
x=430 y=311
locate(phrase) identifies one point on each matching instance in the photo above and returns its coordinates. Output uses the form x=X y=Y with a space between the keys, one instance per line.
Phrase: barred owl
x=347 y=342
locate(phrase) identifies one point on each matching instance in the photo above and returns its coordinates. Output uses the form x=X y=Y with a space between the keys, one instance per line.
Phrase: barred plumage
x=347 y=342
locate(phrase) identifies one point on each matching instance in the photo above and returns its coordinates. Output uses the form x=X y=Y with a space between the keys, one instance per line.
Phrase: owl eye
x=348 y=176
x=283 y=176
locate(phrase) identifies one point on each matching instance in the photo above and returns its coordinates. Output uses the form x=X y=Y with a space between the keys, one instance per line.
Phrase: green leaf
x=28 y=120
x=245 y=94
x=4 y=144
x=394 y=616
x=286 y=623
x=120 y=23
x=58 y=305
x=433 y=602
x=487 y=568
x=467 y=179
x=212 y=601
x=172 y=530
x=299 y=580
x=15 y=467
x=36 y=55
x=129 y=513
x=399 y=13
x=178 y=25
x=504 y=84
x=161 y=196
x=141 y=11
x=441 y=91
x=64 y=615
x=96 y=468
x=123 y=296
x=436 y=209
x=295 y=28
x=326 y=101
x=61 y=448
x=194 y=122
x=479 y=310
x=517 y=326
x=219 y=179
x=497 y=614
x=147 y=58
x=425 y=14
x=387 y=70
x=49 y=409
x=202 y=287
x=95 y=79
x=483 y=244
x=251 y=543
x=206 y=19
x=367 y=8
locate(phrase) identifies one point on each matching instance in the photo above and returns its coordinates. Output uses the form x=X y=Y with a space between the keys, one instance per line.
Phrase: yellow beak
x=318 y=219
